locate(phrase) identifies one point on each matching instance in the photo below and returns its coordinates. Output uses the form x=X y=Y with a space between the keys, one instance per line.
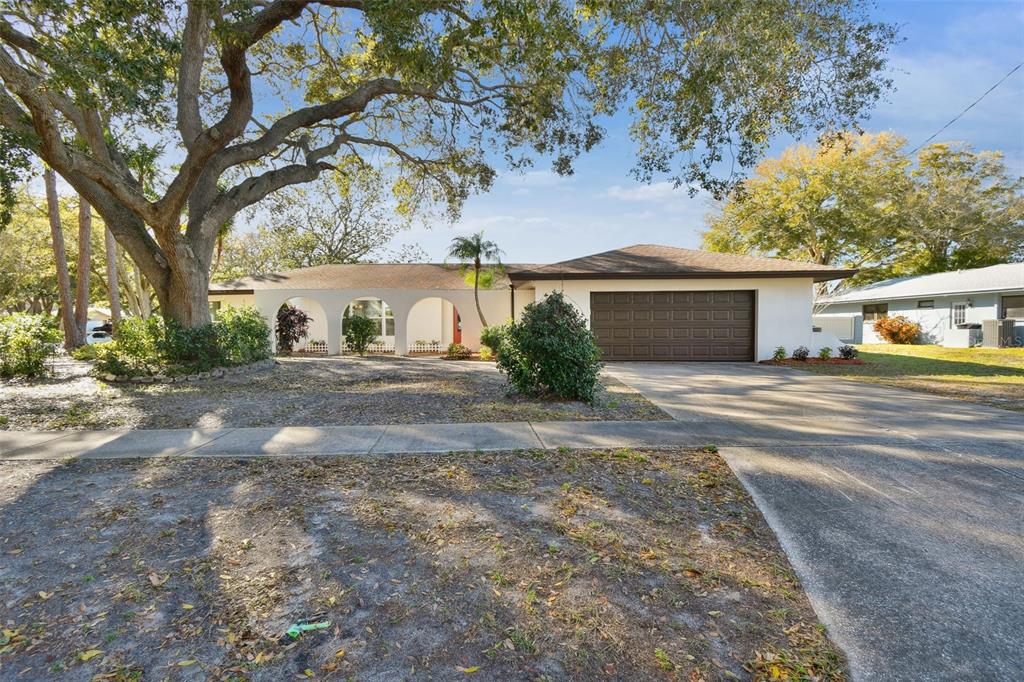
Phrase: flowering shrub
x=801 y=353
x=897 y=329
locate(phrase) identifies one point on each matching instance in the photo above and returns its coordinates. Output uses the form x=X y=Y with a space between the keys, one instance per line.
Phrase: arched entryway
x=315 y=339
x=433 y=323
x=377 y=310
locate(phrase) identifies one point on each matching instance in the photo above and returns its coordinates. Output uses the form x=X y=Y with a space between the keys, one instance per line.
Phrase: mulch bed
x=813 y=361
x=618 y=565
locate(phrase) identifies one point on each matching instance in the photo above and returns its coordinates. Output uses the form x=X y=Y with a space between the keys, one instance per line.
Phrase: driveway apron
x=902 y=512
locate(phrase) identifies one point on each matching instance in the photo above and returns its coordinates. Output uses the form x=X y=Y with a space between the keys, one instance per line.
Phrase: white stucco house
x=951 y=307
x=643 y=302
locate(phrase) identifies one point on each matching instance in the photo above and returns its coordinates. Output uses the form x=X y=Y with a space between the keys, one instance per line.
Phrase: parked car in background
x=98 y=331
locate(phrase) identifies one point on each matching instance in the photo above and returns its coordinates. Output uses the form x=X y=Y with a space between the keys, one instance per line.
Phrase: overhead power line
x=969 y=107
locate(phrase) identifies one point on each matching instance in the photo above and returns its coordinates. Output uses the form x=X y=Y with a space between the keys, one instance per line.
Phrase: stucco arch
x=434 y=317
x=398 y=309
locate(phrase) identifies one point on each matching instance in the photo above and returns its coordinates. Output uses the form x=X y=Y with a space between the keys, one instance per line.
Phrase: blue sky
x=951 y=53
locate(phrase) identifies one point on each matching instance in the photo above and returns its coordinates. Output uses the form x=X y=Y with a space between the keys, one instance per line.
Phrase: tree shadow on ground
x=519 y=565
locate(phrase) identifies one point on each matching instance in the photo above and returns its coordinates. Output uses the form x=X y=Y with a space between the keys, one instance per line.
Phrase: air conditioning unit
x=997 y=333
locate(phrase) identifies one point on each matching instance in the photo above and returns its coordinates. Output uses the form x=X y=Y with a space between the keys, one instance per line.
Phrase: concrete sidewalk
x=343 y=440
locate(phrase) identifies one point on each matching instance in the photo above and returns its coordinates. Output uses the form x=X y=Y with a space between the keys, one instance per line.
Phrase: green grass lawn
x=994 y=376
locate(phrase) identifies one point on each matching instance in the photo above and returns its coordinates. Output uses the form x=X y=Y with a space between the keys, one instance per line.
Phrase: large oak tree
x=247 y=97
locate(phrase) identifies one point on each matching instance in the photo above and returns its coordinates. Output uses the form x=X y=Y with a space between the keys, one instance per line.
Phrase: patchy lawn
x=993 y=376
x=628 y=565
x=303 y=392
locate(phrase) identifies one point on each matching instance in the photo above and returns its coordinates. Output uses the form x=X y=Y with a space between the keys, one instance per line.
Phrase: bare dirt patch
x=622 y=565
x=303 y=392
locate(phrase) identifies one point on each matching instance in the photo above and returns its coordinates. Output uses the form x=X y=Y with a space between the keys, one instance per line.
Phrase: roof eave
x=816 y=275
x=922 y=294
x=221 y=292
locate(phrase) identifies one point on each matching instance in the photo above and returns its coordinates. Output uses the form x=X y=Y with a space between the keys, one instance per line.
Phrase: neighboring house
x=949 y=306
x=644 y=302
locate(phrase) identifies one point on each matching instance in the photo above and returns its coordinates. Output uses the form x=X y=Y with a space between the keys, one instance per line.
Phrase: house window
x=373 y=309
x=214 y=308
x=1013 y=307
x=927 y=304
x=875 y=311
x=958 y=314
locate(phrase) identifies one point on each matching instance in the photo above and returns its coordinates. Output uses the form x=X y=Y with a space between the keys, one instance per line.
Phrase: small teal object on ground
x=305 y=626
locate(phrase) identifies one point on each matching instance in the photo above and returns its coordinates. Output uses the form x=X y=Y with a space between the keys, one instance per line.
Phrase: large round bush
x=551 y=351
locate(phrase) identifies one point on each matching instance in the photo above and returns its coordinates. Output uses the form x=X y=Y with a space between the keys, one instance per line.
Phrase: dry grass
x=992 y=376
x=622 y=564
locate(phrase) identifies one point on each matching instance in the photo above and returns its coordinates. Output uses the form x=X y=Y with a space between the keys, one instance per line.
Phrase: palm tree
x=475 y=250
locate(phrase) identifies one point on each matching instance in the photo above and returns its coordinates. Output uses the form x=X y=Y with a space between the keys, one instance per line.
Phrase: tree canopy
x=249 y=97
x=860 y=202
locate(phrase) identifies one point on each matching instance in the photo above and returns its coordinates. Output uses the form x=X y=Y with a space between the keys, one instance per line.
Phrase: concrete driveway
x=902 y=512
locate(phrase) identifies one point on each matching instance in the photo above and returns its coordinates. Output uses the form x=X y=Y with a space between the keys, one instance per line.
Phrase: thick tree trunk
x=84 y=259
x=60 y=260
x=113 y=284
x=185 y=296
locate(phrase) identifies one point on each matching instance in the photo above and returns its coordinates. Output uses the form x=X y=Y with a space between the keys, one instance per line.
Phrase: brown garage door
x=679 y=326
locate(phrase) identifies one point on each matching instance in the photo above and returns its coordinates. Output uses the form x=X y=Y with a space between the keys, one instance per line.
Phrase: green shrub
x=551 y=351
x=898 y=329
x=486 y=353
x=86 y=352
x=801 y=353
x=456 y=351
x=149 y=346
x=780 y=354
x=825 y=353
x=243 y=335
x=26 y=343
x=292 y=327
x=360 y=333
x=193 y=349
x=847 y=352
x=494 y=336
x=136 y=349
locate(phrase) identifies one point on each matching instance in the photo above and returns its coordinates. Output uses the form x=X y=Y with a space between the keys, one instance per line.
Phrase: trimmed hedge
x=551 y=351
x=26 y=343
x=142 y=347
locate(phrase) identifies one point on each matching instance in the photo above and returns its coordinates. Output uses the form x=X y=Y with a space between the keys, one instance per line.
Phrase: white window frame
x=957 y=307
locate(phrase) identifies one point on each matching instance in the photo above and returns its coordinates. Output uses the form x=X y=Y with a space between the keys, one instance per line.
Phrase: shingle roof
x=1008 y=276
x=358 y=276
x=654 y=261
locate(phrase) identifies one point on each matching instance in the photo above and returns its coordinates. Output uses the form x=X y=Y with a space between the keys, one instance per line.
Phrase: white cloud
x=658 y=191
x=536 y=178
